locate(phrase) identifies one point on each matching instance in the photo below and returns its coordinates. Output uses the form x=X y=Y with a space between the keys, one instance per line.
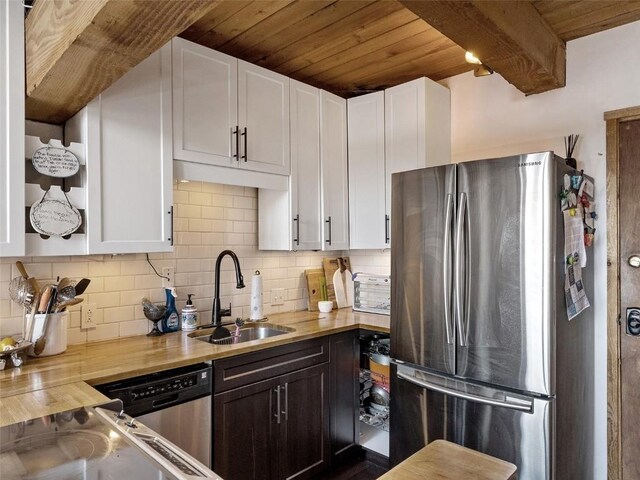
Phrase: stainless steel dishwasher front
x=175 y=403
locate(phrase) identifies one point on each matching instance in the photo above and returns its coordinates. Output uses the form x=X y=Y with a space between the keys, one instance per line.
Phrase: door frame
x=613 y=120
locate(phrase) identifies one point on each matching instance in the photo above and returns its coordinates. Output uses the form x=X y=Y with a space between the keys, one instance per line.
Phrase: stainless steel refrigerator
x=483 y=352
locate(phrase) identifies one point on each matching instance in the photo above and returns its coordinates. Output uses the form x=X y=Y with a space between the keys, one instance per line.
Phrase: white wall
x=492 y=118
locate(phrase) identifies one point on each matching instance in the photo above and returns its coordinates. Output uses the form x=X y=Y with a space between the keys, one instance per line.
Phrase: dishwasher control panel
x=172 y=385
x=149 y=393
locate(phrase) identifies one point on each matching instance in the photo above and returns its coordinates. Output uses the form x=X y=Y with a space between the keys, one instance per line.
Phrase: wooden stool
x=445 y=460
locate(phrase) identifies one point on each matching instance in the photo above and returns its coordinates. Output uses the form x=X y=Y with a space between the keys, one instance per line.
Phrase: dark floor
x=357 y=468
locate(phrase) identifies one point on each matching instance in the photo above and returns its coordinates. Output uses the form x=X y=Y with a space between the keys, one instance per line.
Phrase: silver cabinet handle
x=277 y=414
x=285 y=412
x=297 y=220
x=522 y=405
x=328 y=220
x=460 y=311
x=447 y=269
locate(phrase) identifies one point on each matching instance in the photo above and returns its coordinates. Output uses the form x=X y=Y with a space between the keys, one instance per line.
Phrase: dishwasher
x=175 y=403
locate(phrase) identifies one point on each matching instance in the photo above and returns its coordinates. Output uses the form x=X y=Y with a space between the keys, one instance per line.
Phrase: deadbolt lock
x=633 y=321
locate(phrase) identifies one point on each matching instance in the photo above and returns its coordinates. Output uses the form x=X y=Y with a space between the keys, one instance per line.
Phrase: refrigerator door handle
x=460 y=310
x=447 y=269
x=515 y=404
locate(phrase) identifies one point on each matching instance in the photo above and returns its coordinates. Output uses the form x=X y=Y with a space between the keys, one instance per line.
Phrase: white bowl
x=325 y=306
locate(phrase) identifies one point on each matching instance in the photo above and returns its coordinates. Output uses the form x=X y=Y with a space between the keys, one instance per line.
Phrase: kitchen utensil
x=66 y=291
x=22 y=270
x=338 y=288
x=41 y=342
x=379 y=395
x=82 y=285
x=62 y=306
x=348 y=286
x=314 y=289
x=154 y=313
x=21 y=291
x=54 y=327
x=30 y=324
x=330 y=266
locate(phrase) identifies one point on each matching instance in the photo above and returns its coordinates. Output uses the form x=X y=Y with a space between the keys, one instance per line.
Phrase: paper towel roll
x=257 y=312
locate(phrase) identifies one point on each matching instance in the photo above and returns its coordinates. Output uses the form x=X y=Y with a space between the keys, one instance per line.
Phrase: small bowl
x=325 y=306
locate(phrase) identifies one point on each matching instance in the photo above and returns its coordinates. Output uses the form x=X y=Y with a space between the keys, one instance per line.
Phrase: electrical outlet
x=168 y=273
x=277 y=296
x=88 y=319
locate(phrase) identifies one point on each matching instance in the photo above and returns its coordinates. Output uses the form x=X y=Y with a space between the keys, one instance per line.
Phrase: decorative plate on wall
x=55 y=162
x=55 y=216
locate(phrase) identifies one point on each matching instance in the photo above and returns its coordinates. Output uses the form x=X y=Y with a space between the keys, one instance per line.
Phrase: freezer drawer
x=515 y=428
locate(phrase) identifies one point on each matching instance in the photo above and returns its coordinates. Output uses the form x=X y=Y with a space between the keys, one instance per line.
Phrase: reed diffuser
x=570 y=143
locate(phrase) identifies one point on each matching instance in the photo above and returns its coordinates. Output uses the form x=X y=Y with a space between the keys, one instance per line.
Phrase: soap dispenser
x=171 y=320
x=189 y=315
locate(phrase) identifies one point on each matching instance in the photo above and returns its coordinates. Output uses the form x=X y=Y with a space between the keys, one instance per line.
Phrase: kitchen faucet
x=217 y=312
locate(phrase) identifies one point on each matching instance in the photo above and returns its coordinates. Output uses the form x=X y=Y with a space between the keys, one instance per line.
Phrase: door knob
x=634 y=261
x=633 y=321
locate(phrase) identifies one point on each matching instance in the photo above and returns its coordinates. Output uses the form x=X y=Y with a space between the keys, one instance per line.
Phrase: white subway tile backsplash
x=103 y=332
x=208 y=219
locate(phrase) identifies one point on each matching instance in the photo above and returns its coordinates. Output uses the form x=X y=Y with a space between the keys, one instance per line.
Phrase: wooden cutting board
x=330 y=265
x=314 y=278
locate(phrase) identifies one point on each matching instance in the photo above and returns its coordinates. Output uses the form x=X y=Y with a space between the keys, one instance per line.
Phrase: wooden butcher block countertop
x=53 y=384
x=443 y=460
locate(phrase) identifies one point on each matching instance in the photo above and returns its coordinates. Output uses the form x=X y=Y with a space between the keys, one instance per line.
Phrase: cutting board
x=314 y=277
x=330 y=265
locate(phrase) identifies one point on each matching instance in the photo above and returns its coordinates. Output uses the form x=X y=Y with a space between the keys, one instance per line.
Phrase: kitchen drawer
x=243 y=370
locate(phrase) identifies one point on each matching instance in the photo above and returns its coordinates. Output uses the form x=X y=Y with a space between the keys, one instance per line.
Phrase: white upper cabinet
x=335 y=183
x=12 y=159
x=205 y=108
x=263 y=119
x=305 y=167
x=368 y=220
x=417 y=128
x=228 y=112
x=127 y=132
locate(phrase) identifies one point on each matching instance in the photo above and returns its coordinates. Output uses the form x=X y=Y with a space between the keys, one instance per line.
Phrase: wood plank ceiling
x=351 y=47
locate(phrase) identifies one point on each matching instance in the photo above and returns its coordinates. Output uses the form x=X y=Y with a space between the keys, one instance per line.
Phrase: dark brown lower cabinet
x=273 y=429
x=304 y=433
x=344 y=365
x=245 y=440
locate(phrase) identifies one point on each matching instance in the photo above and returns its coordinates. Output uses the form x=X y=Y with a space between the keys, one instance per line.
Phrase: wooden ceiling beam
x=510 y=37
x=75 y=49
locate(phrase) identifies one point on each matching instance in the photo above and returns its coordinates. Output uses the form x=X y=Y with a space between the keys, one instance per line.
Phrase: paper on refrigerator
x=575 y=260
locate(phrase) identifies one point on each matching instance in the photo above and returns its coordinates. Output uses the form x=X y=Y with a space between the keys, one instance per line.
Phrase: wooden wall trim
x=614 y=450
x=614 y=440
x=624 y=114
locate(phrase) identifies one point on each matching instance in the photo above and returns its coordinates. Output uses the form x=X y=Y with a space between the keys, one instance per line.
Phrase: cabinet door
x=404 y=130
x=245 y=432
x=368 y=225
x=344 y=392
x=305 y=167
x=304 y=450
x=129 y=161
x=335 y=183
x=205 y=104
x=263 y=113
x=12 y=202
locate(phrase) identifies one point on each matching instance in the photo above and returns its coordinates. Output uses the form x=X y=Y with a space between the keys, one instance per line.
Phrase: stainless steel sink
x=248 y=332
